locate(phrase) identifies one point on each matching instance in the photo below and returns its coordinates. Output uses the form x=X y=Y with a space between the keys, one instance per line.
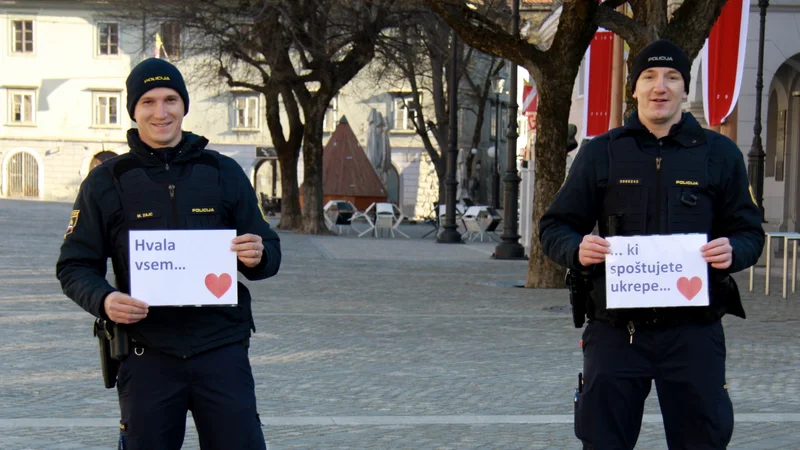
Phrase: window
x=106 y=109
x=171 y=39
x=502 y=119
x=22 y=107
x=22 y=39
x=246 y=112
x=331 y=118
x=108 y=38
x=403 y=115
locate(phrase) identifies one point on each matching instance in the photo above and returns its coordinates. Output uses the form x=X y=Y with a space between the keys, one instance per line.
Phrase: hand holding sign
x=122 y=308
x=248 y=248
x=718 y=253
x=593 y=250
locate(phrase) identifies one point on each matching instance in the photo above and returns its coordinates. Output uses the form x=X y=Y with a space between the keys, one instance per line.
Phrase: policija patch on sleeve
x=73 y=220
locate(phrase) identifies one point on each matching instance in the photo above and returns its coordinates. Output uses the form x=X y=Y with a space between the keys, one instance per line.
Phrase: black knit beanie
x=153 y=73
x=662 y=53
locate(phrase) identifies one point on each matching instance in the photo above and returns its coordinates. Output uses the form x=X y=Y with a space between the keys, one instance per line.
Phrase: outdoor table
x=787 y=237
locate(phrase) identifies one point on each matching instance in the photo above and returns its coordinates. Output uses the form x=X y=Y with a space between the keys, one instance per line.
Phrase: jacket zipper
x=174 y=206
x=171 y=188
x=658 y=227
x=631 y=330
x=658 y=194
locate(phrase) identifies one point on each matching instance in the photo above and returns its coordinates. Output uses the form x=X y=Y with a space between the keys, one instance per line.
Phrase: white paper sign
x=656 y=271
x=183 y=267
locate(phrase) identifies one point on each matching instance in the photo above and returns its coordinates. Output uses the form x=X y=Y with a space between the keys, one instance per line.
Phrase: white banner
x=656 y=271
x=183 y=267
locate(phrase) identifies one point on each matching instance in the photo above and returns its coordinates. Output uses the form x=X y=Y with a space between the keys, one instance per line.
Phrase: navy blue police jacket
x=724 y=188
x=99 y=229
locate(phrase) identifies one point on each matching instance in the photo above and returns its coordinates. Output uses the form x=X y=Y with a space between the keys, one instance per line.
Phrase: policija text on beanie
x=154 y=73
x=662 y=53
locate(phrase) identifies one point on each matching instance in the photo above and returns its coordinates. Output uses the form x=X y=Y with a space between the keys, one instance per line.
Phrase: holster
x=578 y=296
x=729 y=293
x=113 y=344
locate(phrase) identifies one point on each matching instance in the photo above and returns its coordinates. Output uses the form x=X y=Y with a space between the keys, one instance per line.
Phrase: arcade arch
x=23 y=174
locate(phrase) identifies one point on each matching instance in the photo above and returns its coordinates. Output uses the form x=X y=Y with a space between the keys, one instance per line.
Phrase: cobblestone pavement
x=369 y=344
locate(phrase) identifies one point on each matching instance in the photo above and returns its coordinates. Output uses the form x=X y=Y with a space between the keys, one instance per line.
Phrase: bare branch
x=630 y=30
x=480 y=32
x=691 y=24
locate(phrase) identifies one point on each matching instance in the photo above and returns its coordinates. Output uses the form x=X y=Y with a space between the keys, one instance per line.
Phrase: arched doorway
x=100 y=157
x=21 y=169
x=268 y=185
x=393 y=186
x=782 y=162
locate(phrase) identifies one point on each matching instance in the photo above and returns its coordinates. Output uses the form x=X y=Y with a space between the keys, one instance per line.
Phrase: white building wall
x=781 y=41
x=64 y=71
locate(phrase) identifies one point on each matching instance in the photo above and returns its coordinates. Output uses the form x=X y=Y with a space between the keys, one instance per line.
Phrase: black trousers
x=687 y=363
x=156 y=390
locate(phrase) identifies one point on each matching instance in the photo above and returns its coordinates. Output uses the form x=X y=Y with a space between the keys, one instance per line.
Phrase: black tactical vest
x=192 y=201
x=657 y=195
x=649 y=195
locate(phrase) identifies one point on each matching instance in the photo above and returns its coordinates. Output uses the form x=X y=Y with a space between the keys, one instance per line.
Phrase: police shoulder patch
x=752 y=195
x=73 y=220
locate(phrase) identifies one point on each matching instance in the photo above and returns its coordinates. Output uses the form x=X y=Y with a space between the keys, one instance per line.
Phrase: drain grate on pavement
x=559 y=309
x=502 y=283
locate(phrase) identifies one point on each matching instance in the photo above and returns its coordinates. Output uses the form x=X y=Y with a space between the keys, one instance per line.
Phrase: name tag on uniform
x=183 y=267
x=656 y=271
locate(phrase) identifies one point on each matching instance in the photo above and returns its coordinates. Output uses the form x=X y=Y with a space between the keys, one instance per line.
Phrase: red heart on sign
x=218 y=285
x=689 y=288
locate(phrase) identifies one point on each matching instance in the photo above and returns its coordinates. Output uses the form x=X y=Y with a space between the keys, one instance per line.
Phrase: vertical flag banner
x=530 y=102
x=723 y=61
x=597 y=83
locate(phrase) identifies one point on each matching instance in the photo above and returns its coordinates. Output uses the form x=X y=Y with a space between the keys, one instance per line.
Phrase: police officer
x=661 y=173
x=180 y=359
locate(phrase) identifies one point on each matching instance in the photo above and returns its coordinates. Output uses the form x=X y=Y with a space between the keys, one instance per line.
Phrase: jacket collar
x=190 y=146
x=686 y=132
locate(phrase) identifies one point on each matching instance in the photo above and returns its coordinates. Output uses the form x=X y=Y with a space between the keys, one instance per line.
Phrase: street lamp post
x=498 y=83
x=756 y=155
x=510 y=248
x=450 y=234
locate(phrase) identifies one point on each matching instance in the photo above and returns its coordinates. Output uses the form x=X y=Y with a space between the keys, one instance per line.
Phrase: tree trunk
x=313 y=219
x=550 y=165
x=442 y=190
x=630 y=103
x=288 y=152
x=291 y=215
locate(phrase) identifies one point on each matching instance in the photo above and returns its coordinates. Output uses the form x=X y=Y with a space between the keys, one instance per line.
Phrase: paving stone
x=409 y=333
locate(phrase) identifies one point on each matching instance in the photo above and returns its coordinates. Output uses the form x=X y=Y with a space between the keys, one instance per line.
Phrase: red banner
x=530 y=99
x=723 y=61
x=599 y=64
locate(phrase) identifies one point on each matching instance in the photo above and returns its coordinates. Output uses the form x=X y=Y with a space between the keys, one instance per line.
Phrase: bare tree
x=418 y=55
x=298 y=53
x=688 y=27
x=555 y=68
